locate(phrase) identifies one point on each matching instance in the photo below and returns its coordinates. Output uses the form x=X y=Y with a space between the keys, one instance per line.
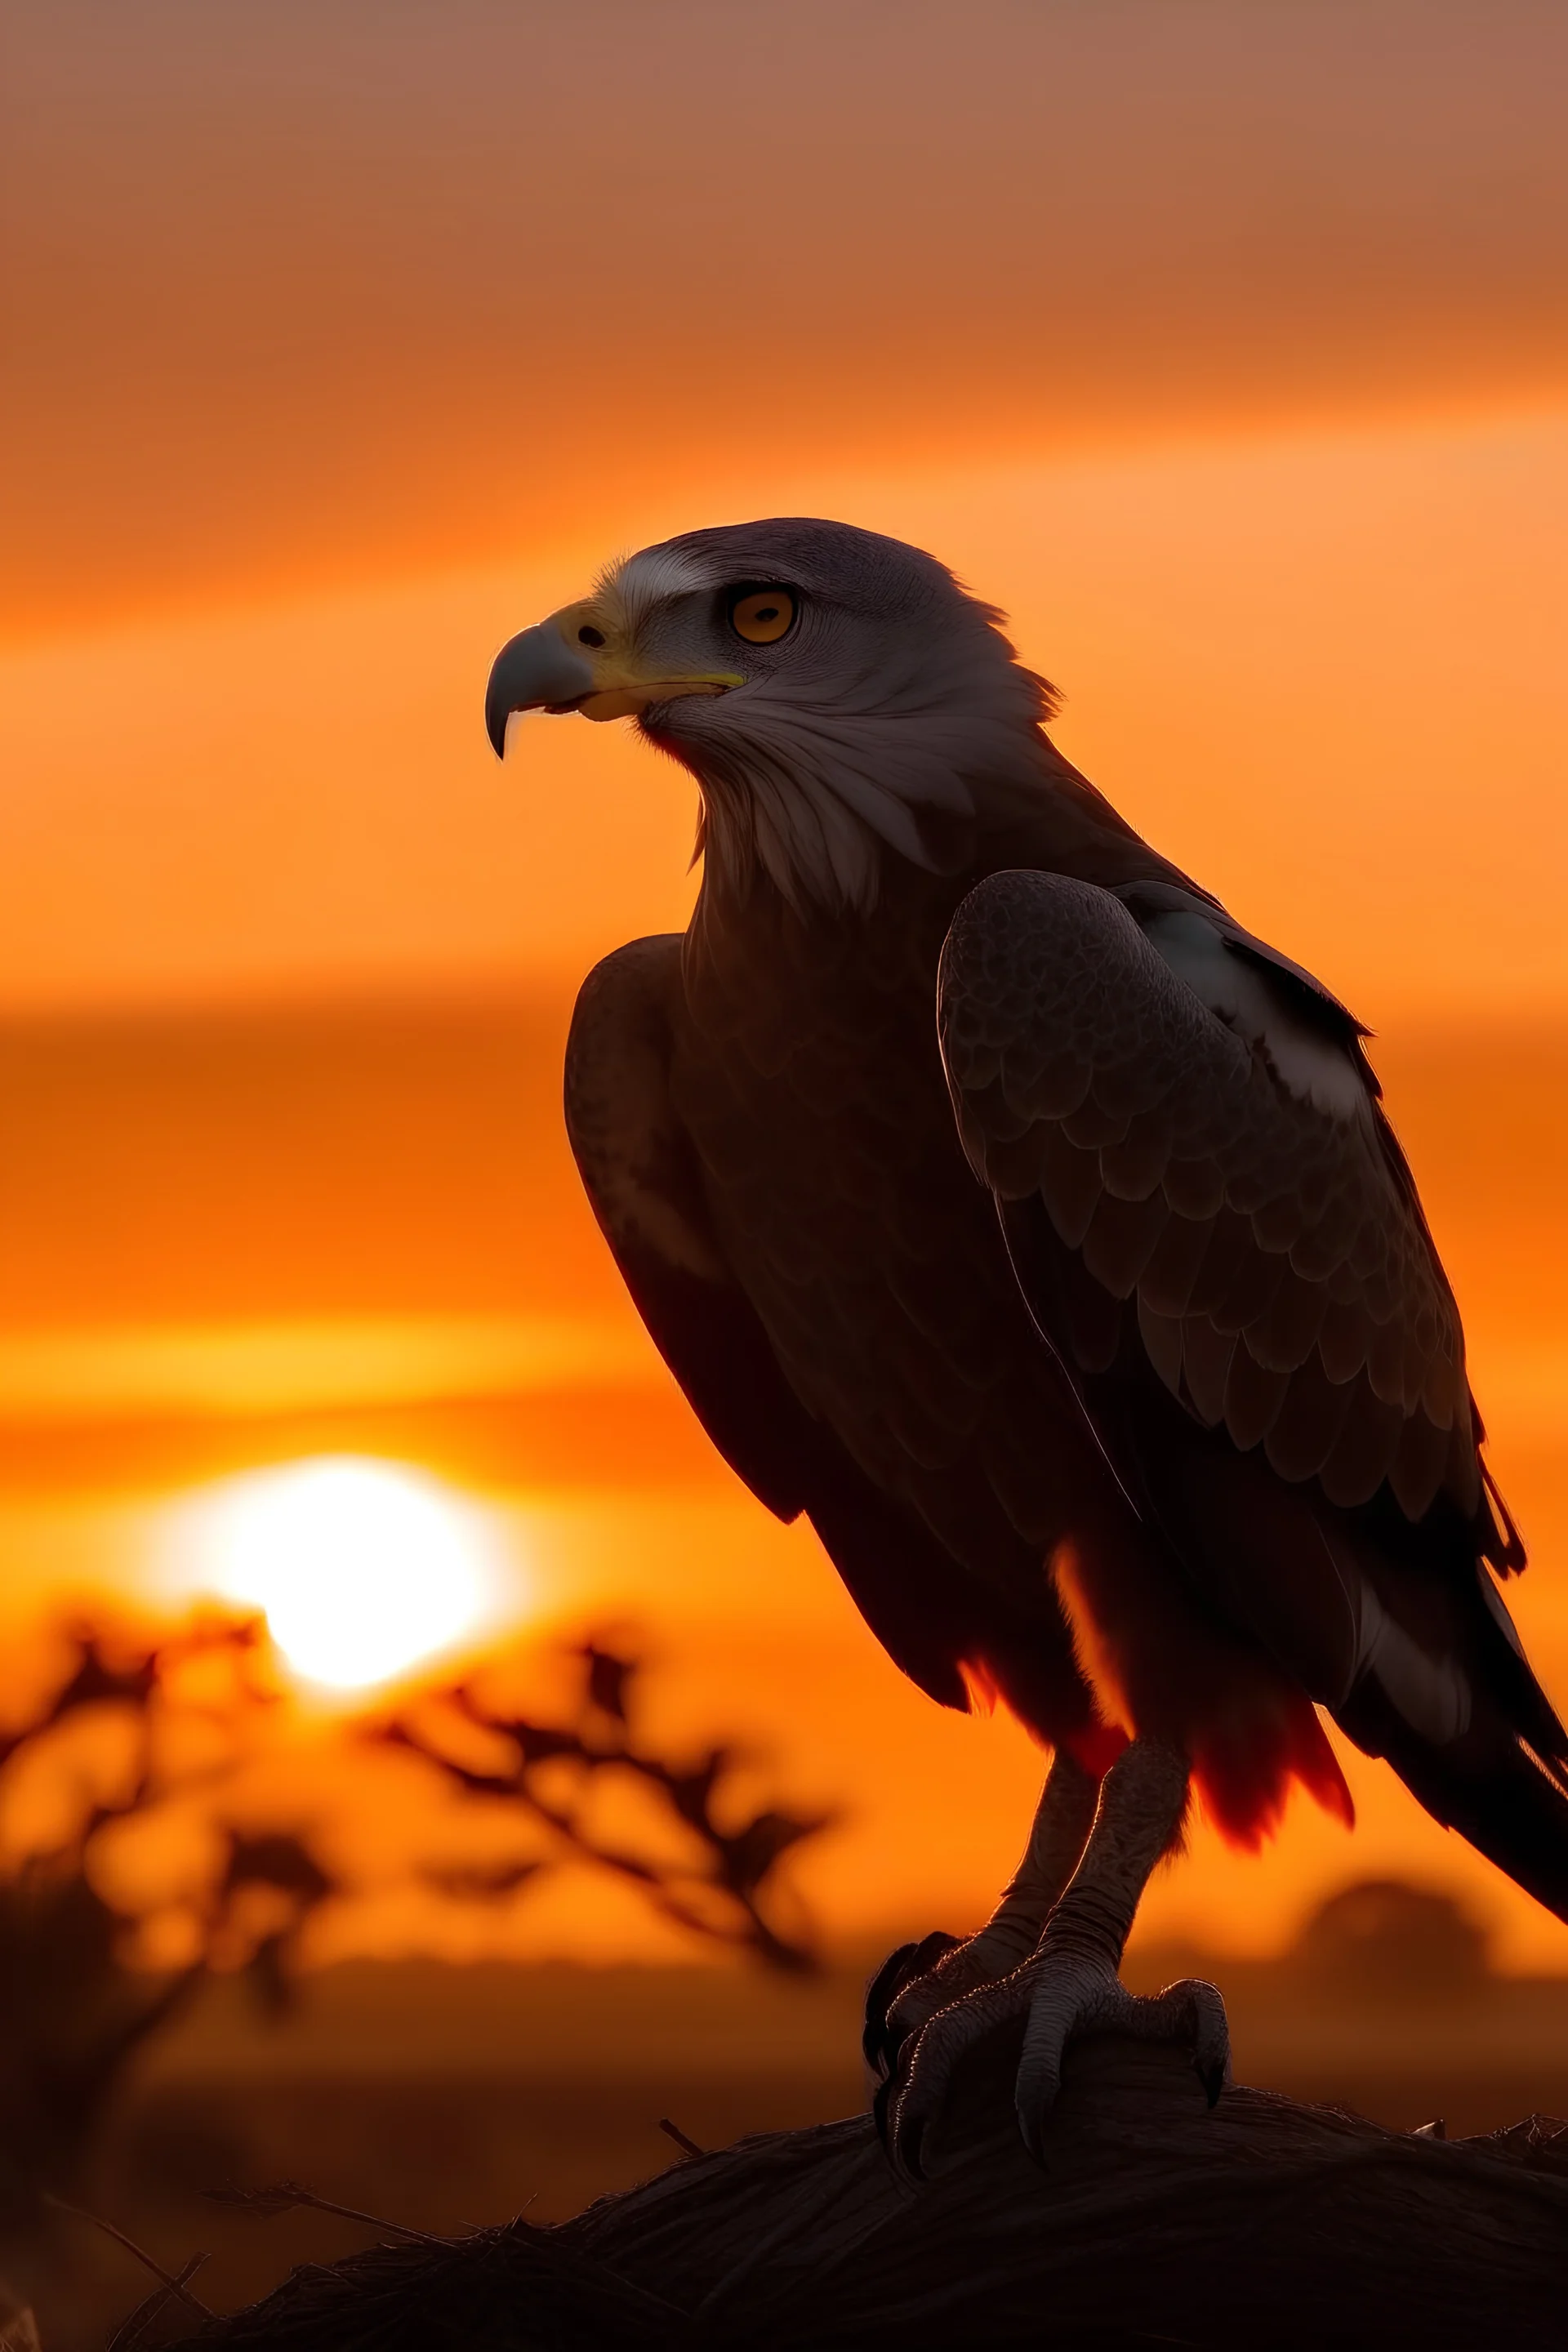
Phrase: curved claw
x=1060 y=1994
x=881 y=2099
x=1069 y=1995
x=916 y=2101
x=1071 y=1998
x=1211 y=2035
x=881 y=2038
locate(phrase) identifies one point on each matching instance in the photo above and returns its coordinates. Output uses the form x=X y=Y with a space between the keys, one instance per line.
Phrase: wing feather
x=639 y=1172
x=1279 y=1378
x=1285 y=1287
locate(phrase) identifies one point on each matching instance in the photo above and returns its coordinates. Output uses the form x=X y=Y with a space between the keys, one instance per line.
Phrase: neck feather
x=820 y=801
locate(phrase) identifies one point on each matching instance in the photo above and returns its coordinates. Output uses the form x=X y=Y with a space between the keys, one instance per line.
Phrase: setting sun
x=362 y=1569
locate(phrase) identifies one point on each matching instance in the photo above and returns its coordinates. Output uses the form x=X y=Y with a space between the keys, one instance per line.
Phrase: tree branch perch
x=1155 y=2221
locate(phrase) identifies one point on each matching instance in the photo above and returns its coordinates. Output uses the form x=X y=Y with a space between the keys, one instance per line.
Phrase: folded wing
x=940 y=1625
x=1248 y=1203
x=1215 y=1231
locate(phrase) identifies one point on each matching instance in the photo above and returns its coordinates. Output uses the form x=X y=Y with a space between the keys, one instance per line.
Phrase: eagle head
x=836 y=694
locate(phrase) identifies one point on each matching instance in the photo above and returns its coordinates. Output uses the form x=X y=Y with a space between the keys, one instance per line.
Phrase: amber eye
x=763 y=615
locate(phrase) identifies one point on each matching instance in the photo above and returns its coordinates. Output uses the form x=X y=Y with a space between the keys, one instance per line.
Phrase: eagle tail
x=1516 y=1813
x=1504 y=1788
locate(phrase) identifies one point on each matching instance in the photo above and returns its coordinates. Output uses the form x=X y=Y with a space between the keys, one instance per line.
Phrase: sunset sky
x=1225 y=347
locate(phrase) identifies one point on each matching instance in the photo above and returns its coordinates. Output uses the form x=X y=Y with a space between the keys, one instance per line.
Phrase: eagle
x=1008 y=1209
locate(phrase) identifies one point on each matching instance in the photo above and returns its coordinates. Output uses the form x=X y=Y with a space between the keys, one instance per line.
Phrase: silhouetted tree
x=76 y=2000
x=1380 y=1938
x=72 y=2011
x=719 y=1885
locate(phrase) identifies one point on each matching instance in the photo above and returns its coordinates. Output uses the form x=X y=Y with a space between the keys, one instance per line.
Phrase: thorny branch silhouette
x=724 y=1891
x=75 y=2012
x=110 y=1743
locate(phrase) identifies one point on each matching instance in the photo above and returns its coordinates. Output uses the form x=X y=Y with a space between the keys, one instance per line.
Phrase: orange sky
x=1228 y=348
x=1322 y=670
x=330 y=291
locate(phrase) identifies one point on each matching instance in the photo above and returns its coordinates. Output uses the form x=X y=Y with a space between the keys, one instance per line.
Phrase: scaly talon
x=919 y=1979
x=887 y=2027
x=928 y=2062
x=1062 y=1995
x=1073 y=1994
x=1068 y=1985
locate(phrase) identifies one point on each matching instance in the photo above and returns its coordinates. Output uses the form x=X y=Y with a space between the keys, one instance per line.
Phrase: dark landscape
x=442 y=2100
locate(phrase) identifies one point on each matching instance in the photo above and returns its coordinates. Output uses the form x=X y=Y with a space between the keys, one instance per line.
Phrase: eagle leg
x=918 y=1979
x=1068 y=1986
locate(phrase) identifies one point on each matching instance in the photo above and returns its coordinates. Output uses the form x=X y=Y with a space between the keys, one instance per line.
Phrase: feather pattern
x=1297 y=1263
x=898 y=1540
x=1163 y=1427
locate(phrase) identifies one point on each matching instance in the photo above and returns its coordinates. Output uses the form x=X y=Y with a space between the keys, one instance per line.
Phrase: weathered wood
x=1156 y=2223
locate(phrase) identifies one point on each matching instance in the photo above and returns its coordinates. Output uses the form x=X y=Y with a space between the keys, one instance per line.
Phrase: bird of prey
x=1005 y=1207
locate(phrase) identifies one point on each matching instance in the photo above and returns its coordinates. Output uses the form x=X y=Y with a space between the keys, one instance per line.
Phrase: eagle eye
x=762 y=616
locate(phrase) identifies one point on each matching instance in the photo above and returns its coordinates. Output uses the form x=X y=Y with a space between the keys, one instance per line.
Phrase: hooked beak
x=551 y=668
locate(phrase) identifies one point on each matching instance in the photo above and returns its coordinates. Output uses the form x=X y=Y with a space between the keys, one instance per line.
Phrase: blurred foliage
x=1380 y=1938
x=137 y=1748
x=107 y=1745
x=705 y=1861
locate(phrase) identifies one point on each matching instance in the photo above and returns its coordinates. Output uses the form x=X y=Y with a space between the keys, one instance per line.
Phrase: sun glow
x=362 y=1569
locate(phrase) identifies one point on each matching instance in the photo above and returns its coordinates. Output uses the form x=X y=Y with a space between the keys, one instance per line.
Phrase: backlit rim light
x=363 y=1569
